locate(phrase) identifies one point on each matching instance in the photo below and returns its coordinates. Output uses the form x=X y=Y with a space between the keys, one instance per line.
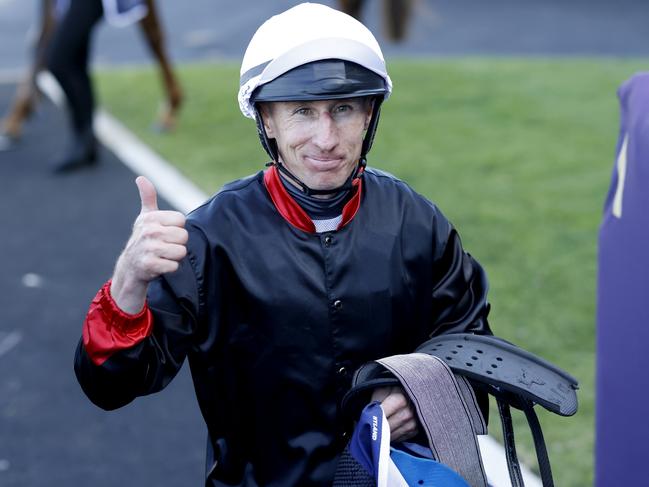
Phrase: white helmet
x=308 y=33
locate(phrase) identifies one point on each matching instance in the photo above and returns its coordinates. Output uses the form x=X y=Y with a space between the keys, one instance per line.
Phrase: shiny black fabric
x=274 y=321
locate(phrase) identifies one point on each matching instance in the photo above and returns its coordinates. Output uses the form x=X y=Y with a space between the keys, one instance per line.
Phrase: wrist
x=129 y=295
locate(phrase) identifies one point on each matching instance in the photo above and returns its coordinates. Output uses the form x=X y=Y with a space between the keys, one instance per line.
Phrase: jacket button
x=338 y=304
x=328 y=240
x=342 y=371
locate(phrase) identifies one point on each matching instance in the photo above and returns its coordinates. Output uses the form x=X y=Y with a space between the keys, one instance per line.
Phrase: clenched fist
x=156 y=247
x=400 y=413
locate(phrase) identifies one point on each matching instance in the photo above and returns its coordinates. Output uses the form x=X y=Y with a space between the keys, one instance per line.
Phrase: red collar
x=294 y=214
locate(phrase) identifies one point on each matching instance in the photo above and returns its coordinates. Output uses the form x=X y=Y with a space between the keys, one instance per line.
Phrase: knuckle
x=144 y=217
x=147 y=246
x=145 y=230
x=406 y=415
x=151 y=232
x=147 y=262
x=184 y=236
x=400 y=401
x=183 y=252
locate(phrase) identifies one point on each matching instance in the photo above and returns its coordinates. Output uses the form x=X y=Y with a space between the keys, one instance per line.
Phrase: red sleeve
x=107 y=329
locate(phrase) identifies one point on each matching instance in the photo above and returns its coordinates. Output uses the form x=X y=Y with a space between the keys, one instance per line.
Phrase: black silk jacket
x=274 y=320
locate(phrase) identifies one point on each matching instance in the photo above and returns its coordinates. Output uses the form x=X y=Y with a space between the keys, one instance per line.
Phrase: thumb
x=148 y=195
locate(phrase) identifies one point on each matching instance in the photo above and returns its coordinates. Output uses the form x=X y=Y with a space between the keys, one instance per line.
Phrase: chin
x=328 y=183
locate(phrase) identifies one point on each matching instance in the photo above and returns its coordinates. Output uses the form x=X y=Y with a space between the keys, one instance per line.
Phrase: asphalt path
x=59 y=236
x=59 y=239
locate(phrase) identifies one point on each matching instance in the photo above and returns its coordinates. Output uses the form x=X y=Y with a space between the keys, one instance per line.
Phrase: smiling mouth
x=324 y=161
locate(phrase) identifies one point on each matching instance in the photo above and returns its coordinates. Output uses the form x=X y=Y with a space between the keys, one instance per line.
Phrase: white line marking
x=185 y=196
x=169 y=182
x=9 y=341
x=48 y=85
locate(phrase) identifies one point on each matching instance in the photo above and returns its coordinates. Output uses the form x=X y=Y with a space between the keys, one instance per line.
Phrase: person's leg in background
x=68 y=62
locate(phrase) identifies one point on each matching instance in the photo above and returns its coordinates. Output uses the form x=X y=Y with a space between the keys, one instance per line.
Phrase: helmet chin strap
x=271 y=148
x=347 y=185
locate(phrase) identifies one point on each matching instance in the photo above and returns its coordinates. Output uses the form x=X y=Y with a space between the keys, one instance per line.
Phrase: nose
x=326 y=133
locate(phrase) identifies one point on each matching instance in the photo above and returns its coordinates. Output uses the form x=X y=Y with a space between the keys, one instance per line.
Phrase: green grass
x=517 y=153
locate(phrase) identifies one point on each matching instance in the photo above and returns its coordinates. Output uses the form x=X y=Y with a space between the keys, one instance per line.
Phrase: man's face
x=319 y=141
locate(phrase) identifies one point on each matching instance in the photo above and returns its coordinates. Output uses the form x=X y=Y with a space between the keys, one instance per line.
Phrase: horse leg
x=152 y=30
x=27 y=92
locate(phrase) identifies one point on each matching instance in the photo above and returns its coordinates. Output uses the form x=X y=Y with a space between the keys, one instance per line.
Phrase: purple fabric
x=622 y=429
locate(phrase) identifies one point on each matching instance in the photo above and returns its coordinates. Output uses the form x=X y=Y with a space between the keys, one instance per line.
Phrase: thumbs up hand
x=156 y=247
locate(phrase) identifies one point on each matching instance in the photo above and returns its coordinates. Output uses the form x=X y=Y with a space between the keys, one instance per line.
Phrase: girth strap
x=513 y=464
x=539 y=446
x=448 y=420
x=510 y=447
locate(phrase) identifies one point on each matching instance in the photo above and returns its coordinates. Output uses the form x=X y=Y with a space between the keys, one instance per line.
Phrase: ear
x=267 y=119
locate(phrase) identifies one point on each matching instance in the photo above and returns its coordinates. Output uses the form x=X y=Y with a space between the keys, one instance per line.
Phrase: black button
x=328 y=240
x=342 y=371
x=338 y=304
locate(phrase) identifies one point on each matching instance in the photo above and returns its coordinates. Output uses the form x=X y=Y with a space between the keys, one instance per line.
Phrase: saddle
x=439 y=378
